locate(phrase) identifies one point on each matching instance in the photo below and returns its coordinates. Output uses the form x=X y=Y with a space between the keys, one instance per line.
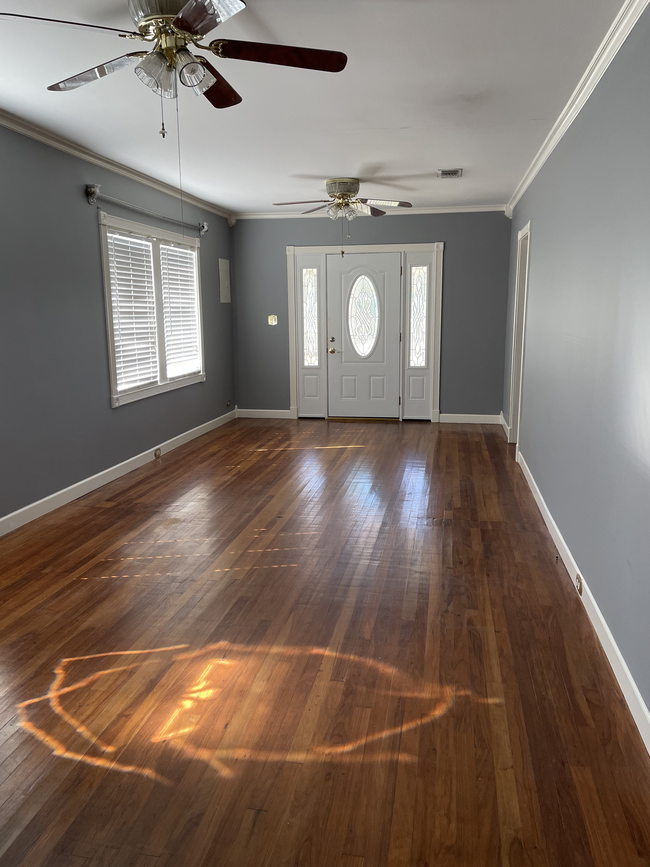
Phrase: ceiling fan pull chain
x=180 y=165
x=163 y=131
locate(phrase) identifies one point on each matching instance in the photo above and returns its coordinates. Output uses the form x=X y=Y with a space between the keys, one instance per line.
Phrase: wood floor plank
x=310 y=644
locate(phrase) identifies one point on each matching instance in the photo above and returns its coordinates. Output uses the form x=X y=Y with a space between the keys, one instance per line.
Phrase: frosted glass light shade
x=190 y=71
x=333 y=211
x=168 y=84
x=151 y=68
x=205 y=84
x=155 y=72
x=349 y=212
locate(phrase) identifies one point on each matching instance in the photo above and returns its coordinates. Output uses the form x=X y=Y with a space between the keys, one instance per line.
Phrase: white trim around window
x=169 y=321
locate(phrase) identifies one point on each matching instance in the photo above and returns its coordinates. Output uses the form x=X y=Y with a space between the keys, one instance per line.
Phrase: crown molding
x=402 y=212
x=24 y=127
x=609 y=48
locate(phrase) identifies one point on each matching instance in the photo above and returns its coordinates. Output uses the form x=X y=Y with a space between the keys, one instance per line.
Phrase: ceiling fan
x=170 y=26
x=342 y=201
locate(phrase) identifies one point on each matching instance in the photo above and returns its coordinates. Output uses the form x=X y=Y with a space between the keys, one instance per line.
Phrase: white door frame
x=436 y=324
x=519 y=337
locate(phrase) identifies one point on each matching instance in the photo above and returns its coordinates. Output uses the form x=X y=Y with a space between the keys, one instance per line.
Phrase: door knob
x=332 y=351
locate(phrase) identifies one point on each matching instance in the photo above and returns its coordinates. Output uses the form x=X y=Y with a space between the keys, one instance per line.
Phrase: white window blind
x=153 y=309
x=180 y=310
x=134 y=311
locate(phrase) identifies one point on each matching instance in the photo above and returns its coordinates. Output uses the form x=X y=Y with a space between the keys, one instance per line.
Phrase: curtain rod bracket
x=92 y=193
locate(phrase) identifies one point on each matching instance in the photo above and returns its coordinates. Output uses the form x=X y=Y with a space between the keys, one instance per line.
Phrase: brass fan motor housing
x=152 y=26
x=342 y=189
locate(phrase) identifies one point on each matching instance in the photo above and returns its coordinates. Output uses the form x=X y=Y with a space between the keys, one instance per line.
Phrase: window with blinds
x=180 y=310
x=134 y=311
x=153 y=310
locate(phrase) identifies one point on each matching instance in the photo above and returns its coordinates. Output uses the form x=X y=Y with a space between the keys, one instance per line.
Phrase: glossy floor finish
x=302 y=643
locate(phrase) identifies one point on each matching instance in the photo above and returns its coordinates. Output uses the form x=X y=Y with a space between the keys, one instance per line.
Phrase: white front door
x=363 y=337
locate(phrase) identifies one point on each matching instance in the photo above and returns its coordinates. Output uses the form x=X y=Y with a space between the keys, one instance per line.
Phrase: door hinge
x=400 y=337
x=400 y=401
x=401 y=271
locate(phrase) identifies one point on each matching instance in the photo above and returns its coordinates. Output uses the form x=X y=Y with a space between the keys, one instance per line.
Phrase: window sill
x=149 y=390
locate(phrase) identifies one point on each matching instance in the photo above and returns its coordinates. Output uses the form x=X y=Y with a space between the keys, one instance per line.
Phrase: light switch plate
x=273 y=320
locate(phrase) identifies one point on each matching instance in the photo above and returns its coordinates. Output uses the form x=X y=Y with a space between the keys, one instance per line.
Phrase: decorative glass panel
x=310 y=316
x=418 y=342
x=363 y=316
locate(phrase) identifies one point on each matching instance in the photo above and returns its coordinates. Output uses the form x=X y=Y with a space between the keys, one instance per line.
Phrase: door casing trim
x=519 y=339
x=436 y=247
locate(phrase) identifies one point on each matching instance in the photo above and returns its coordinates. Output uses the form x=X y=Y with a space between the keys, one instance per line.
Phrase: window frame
x=109 y=223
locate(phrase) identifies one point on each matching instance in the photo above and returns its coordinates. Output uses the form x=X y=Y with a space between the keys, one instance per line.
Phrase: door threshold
x=363 y=420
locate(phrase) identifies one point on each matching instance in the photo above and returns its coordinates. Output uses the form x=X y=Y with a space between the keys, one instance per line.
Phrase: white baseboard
x=267 y=413
x=505 y=425
x=453 y=418
x=635 y=701
x=85 y=486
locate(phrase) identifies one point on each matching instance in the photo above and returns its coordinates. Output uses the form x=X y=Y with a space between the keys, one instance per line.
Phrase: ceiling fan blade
x=199 y=17
x=310 y=202
x=12 y=15
x=385 y=203
x=313 y=210
x=280 y=55
x=368 y=210
x=97 y=72
x=221 y=94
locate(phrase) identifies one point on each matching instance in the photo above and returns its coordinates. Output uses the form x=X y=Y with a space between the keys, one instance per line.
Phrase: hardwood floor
x=302 y=643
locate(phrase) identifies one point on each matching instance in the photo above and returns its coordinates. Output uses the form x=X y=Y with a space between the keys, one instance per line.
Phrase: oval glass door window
x=363 y=316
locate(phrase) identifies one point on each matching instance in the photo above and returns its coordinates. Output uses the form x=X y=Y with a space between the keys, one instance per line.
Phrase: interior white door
x=363 y=340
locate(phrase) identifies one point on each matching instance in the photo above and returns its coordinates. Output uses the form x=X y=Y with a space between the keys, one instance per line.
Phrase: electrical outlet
x=157 y=454
x=579 y=583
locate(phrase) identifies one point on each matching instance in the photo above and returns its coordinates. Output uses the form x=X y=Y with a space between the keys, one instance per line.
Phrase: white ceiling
x=429 y=84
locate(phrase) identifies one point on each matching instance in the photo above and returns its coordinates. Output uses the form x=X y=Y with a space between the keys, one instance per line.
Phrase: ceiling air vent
x=450 y=173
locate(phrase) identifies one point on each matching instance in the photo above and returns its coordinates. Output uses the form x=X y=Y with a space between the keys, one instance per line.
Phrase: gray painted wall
x=474 y=300
x=586 y=403
x=56 y=423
